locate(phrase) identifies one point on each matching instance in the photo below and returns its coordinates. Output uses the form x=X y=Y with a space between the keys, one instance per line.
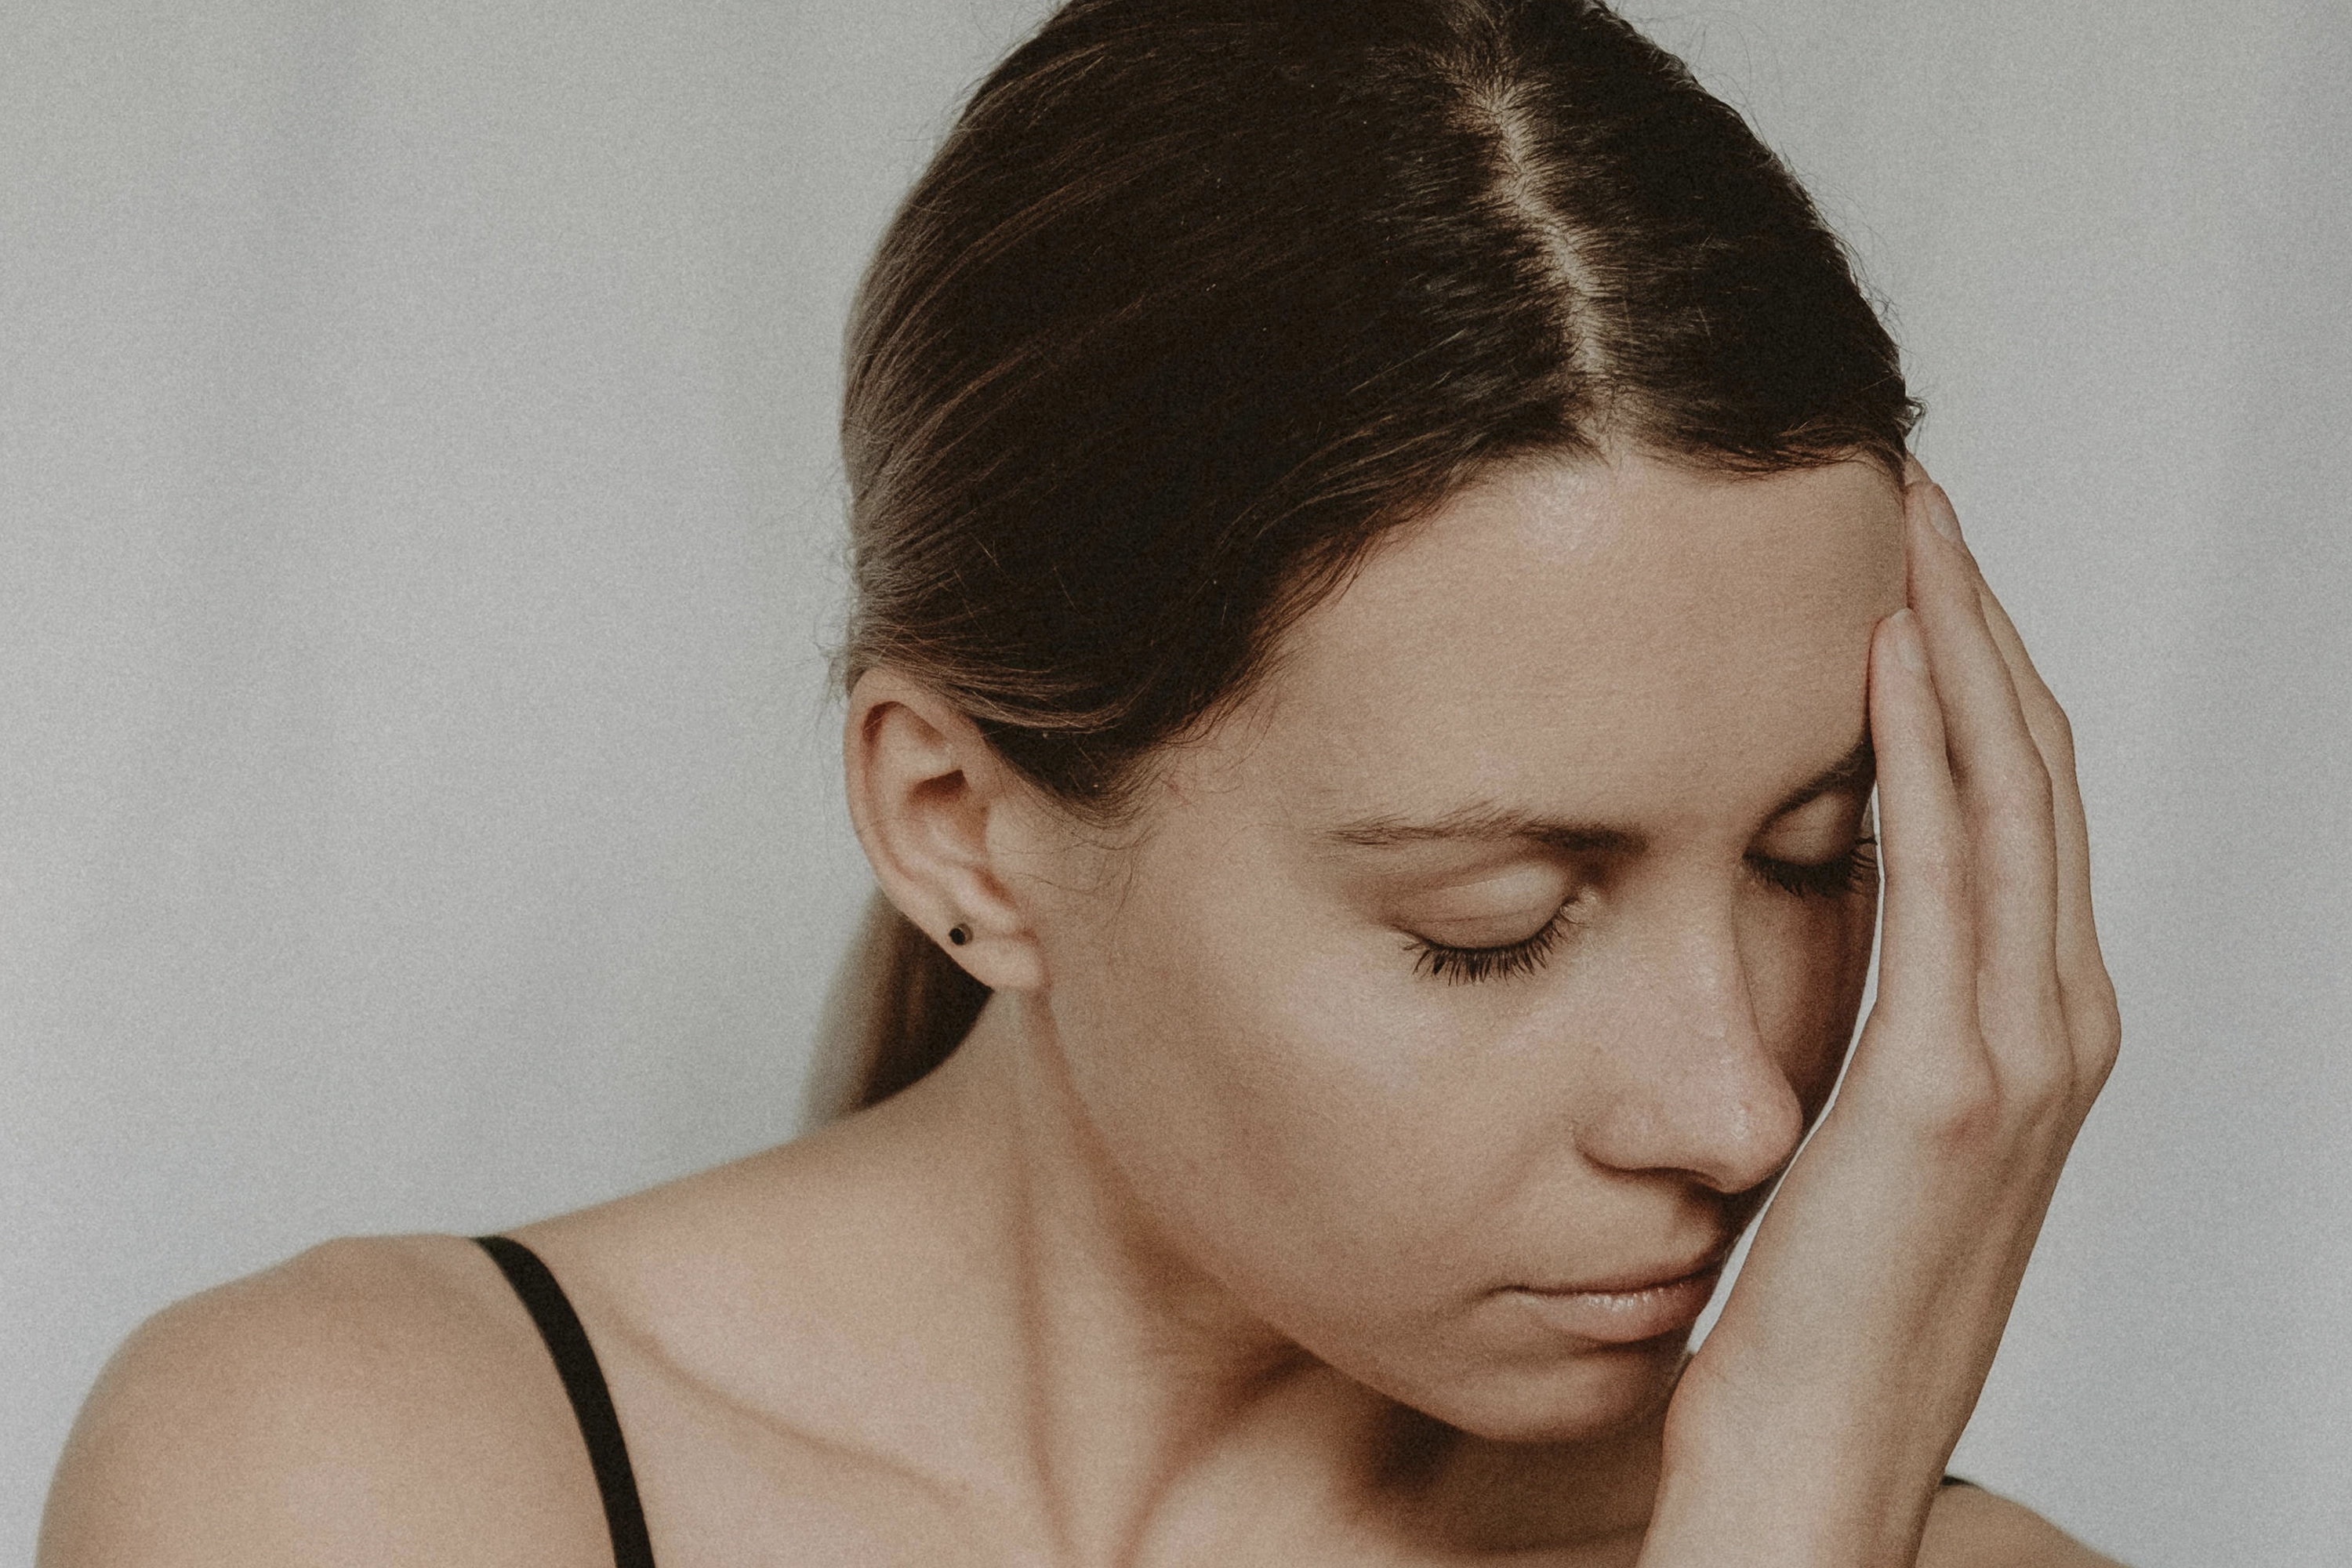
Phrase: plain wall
x=419 y=525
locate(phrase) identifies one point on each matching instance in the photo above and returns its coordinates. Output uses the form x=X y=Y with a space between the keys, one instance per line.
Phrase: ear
x=941 y=818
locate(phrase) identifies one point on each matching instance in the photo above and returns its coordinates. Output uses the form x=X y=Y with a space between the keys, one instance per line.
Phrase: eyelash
x=1854 y=871
x=1469 y=965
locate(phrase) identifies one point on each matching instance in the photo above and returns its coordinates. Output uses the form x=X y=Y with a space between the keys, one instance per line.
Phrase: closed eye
x=1468 y=966
x=1856 y=871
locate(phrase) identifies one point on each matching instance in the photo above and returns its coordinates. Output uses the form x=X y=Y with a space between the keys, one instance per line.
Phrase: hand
x=1813 y=1425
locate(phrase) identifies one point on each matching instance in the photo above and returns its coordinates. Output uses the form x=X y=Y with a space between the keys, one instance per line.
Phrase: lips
x=1627 y=1310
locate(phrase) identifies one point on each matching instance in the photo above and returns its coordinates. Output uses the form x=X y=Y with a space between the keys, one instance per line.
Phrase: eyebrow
x=1485 y=822
x=1857 y=770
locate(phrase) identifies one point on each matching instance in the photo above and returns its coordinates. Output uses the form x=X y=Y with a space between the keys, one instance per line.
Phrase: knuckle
x=2091 y=1007
x=2061 y=728
x=2034 y=1054
x=1957 y=1106
x=2053 y=735
x=2094 y=1072
x=2099 y=1033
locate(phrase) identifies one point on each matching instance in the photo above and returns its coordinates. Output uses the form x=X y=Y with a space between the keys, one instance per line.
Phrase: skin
x=1249 y=1226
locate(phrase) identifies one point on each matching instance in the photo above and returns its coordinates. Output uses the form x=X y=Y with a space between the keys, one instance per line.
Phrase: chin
x=1575 y=1398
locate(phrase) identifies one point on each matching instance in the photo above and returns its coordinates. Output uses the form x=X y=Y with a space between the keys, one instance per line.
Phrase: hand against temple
x=1812 y=1425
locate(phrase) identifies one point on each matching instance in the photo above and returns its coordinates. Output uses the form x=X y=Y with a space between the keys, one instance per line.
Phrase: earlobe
x=933 y=804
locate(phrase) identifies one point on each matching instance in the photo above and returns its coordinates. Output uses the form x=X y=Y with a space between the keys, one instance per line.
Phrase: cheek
x=1279 y=1123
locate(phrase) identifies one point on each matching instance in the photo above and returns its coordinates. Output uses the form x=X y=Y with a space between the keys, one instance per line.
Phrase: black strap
x=591 y=1402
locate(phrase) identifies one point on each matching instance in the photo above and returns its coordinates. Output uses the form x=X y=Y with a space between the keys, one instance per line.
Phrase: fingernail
x=1941 y=513
x=1903 y=629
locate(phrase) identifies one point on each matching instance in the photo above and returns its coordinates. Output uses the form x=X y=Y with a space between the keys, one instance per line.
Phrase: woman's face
x=1498 y=950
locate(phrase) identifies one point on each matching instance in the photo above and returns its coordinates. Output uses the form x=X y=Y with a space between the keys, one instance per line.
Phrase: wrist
x=1786 y=1505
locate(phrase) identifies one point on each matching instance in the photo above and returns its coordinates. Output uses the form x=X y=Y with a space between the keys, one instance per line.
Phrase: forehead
x=1620 y=637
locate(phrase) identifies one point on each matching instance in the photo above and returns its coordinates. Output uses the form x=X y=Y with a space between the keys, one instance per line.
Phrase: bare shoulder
x=1972 y=1528
x=368 y=1402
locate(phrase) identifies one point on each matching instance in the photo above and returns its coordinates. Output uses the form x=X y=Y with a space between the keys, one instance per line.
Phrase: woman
x=1388 y=576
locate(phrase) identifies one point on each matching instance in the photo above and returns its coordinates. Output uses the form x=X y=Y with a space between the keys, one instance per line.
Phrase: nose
x=1686 y=1080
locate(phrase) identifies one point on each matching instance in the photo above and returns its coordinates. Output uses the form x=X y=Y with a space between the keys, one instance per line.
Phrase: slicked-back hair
x=1202 y=298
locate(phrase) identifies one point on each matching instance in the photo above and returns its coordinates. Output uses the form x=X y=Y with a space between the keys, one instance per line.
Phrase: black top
x=591 y=1402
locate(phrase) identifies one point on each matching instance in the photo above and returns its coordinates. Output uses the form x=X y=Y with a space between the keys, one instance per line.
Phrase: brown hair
x=1201 y=297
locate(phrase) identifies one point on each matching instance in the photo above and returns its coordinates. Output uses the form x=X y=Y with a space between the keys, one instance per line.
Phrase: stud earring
x=959 y=934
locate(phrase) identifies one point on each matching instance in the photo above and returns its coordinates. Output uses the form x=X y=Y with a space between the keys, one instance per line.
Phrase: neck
x=1147 y=1403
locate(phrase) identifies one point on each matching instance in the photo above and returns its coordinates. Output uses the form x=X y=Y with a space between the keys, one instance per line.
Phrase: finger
x=2082 y=971
x=1929 y=958
x=2083 y=983
x=2005 y=788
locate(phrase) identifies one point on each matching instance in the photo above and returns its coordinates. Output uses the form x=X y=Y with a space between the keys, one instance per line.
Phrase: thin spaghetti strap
x=592 y=1401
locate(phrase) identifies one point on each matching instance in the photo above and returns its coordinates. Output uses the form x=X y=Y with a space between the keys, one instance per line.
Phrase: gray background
x=419 y=515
